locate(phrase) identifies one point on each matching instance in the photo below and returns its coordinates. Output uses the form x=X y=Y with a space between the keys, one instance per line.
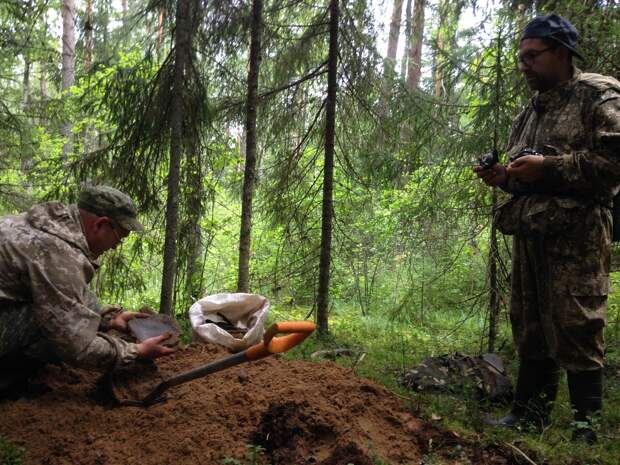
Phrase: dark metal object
x=488 y=160
x=155 y=325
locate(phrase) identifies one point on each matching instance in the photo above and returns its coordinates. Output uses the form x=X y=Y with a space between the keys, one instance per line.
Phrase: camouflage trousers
x=559 y=283
x=20 y=333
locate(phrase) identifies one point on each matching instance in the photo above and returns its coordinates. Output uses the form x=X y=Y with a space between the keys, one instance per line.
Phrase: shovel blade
x=133 y=384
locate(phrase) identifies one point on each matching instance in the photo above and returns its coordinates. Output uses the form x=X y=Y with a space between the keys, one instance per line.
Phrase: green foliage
x=253 y=456
x=10 y=454
x=411 y=222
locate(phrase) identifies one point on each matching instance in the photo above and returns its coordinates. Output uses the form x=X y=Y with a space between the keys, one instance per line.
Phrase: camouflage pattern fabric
x=46 y=307
x=484 y=375
x=562 y=224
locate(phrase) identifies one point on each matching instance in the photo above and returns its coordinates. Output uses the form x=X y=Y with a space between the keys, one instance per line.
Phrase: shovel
x=296 y=332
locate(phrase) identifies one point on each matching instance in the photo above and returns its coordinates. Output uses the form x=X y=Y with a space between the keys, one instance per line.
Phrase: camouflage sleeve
x=106 y=312
x=591 y=171
x=58 y=290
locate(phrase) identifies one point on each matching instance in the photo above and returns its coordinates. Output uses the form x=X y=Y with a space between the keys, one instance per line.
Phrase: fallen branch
x=332 y=354
x=359 y=359
x=521 y=453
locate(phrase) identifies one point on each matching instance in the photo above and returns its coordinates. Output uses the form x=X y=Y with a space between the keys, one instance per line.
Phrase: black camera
x=488 y=160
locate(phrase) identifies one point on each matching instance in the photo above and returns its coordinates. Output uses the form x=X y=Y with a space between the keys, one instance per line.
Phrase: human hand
x=528 y=168
x=494 y=176
x=153 y=348
x=119 y=322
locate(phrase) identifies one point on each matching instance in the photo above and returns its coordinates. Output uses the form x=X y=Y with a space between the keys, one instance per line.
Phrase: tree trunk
x=449 y=14
x=160 y=28
x=28 y=12
x=389 y=66
x=414 y=68
x=88 y=36
x=390 y=62
x=124 y=11
x=68 y=63
x=414 y=71
x=245 y=234
x=193 y=280
x=193 y=277
x=26 y=94
x=68 y=44
x=182 y=53
x=328 y=171
x=493 y=285
x=494 y=297
x=403 y=67
x=42 y=81
x=89 y=134
x=42 y=71
x=26 y=160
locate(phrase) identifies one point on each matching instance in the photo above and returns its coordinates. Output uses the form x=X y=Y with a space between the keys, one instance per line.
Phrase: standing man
x=47 y=311
x=563 y=172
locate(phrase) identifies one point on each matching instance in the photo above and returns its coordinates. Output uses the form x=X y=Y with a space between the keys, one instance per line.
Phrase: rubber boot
x=586 y=397
x=540 y=406
x=536 y=390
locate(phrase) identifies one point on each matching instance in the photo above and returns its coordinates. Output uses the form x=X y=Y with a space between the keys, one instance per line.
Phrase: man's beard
x=539 y=82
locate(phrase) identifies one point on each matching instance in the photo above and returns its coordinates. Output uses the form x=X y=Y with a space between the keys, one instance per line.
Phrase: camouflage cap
x=110 y=202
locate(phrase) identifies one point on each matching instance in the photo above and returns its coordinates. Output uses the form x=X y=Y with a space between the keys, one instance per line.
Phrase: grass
x=10 y=454
x=253 y=456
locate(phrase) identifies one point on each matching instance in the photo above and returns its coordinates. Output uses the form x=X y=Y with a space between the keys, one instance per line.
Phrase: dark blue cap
x=553 y=27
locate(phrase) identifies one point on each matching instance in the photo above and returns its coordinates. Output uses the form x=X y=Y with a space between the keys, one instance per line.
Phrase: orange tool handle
x=296 y=332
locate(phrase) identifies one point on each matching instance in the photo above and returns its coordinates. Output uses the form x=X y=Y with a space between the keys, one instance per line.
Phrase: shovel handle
x=296 y=332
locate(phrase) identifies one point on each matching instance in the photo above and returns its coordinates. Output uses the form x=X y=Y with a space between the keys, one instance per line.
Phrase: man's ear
x=100 y=222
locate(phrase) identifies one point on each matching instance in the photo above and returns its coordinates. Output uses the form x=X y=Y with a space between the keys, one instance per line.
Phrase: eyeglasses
x=529 y=58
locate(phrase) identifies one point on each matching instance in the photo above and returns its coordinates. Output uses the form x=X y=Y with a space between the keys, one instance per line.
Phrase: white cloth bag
x=245 y=311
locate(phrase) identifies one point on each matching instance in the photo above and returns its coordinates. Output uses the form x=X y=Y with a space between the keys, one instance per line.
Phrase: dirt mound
x=300 y=412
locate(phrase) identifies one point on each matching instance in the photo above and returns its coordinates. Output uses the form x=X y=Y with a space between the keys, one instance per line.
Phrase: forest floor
x=274 y=411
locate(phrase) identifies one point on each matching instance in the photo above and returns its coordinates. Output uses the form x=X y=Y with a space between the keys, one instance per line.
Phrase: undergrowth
x=10 y=454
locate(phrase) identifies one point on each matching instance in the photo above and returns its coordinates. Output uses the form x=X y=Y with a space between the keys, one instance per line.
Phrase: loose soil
x=301 y=413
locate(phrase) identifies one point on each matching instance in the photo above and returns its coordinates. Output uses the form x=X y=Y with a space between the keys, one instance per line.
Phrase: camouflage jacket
x=45 y=261
x=576 y=126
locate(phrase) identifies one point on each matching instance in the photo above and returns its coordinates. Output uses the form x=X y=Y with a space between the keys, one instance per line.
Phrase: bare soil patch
x=302 y=413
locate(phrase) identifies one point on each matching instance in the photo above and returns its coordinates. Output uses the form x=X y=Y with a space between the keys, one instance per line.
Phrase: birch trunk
x=68 y=64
